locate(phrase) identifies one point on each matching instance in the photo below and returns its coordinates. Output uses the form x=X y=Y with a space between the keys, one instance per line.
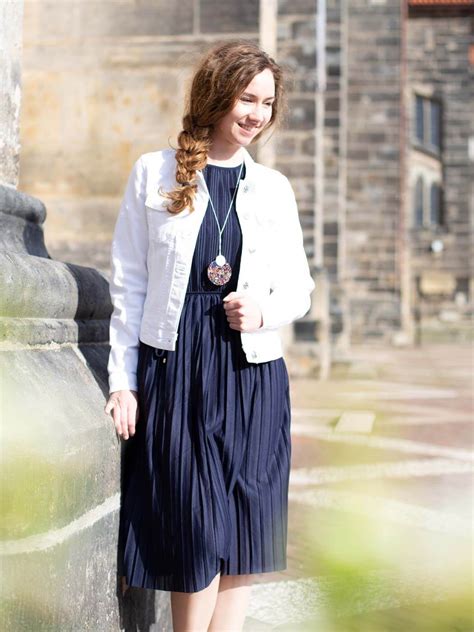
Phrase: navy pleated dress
x=205 y=478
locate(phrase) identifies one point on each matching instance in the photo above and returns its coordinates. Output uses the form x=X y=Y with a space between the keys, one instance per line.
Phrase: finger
x=108 y=407
x=116 y=412
x=124 y=420
x=234 y=312
x=235 y=316
x=229 y=297
x=235 y=304
x=233 y=296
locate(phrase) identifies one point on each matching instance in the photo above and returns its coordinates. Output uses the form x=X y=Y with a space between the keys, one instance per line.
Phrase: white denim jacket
x=152 y=252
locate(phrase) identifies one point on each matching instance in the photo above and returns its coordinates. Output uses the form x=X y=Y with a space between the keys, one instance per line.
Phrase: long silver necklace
x=219 y=270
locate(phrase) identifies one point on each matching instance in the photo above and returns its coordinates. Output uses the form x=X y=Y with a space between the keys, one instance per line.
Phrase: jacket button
x=252 y=249
x=254 y=354
x=245 y=215
x=246 y=188
x=245 y=285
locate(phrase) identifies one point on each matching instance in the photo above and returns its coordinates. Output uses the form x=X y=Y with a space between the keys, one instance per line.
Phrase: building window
x=419 y=202
x=419 y=119
x=427 y=203
x=435 y=204
x=427 y=124
x=435 y=125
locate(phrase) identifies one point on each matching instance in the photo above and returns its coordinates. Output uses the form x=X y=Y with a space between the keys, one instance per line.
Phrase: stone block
x=296 y=7
x=224 y=16
x=302 y=113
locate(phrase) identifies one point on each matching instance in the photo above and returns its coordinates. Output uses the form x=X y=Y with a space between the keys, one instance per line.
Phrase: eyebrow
x=250 y=94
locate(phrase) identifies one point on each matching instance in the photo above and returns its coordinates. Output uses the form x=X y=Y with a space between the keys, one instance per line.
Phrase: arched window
x=418 y=202
x=435 y=204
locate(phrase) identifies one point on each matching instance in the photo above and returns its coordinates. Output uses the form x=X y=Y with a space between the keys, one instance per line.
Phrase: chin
x=243 y=141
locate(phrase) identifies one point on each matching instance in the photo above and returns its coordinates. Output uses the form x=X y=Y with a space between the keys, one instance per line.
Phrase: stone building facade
x=440 y=150
x=104 y=82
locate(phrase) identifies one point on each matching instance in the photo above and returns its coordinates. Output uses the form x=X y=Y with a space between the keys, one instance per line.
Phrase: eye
x=246 y=99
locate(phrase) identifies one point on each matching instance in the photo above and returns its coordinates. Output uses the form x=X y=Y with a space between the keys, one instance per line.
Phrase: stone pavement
x=380 y=517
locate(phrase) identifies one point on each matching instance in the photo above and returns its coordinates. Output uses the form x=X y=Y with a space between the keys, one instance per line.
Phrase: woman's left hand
x=242 y=311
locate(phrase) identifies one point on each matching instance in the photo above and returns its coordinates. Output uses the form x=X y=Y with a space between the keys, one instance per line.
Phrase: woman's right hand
x=124 y=407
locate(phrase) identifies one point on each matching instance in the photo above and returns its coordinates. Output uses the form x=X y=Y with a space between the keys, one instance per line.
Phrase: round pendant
x=219 y=274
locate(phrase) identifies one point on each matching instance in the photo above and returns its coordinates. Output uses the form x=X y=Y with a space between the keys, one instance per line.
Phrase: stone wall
x=296 y=51
x=373 y=166
x=438 y=63
x=360 y=163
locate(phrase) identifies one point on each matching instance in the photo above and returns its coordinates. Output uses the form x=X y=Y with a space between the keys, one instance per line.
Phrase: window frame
x=423 y=186
x=429 y=104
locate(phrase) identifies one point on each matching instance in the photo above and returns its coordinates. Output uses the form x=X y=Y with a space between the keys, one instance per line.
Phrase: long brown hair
x=221 y=76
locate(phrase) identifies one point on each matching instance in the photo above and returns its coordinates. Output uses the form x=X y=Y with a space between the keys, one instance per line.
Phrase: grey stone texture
x=11 y=15
x=217 y=17
x=438 y=53
x=362 y=165
x=60 y=469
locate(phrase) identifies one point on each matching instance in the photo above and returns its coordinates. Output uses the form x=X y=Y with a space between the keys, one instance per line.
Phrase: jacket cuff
x=282 y=308
x=122 y=382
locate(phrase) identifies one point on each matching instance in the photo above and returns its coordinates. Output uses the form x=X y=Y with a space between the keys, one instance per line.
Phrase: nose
x=257 y=114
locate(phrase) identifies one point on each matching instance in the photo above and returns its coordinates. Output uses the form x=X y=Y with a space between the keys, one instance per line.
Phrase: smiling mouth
x=246 y=127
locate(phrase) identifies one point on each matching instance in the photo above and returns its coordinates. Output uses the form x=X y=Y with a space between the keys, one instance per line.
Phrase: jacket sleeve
x=128 y=282
x=293 y=283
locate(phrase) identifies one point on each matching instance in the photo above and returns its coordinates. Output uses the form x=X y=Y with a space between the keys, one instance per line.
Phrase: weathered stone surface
x=60 y=485
x=438 y=51
x=216 y=16
x=60 y=469
x=11 y=15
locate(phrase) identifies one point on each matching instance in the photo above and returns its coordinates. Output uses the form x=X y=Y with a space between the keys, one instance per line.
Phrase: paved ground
x=380 y=523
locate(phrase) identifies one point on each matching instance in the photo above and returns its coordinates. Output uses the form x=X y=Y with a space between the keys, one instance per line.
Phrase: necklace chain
x=221 y=230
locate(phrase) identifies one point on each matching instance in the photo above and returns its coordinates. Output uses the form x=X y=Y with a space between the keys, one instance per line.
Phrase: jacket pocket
x=164 y=226
x=160 y=226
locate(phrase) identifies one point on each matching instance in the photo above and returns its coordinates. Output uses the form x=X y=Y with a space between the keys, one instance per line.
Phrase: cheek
x=239 y=112
x=224 y=126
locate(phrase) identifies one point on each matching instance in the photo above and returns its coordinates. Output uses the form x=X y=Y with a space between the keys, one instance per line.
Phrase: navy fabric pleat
x=205 y=478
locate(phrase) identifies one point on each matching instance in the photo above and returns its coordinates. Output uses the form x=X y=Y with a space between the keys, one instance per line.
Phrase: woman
x=207 y=263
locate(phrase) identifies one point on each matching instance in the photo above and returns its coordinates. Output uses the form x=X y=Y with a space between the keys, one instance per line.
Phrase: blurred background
x=379 y=147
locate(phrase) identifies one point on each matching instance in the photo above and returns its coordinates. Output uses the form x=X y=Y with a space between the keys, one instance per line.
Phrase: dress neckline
x=210 y=164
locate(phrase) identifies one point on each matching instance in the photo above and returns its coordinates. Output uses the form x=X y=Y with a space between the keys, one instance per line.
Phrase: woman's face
x=251 y=113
